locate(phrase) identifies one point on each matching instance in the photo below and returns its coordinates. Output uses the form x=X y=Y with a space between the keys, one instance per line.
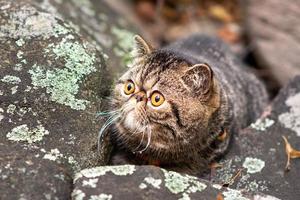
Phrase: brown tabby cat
x=176 y=107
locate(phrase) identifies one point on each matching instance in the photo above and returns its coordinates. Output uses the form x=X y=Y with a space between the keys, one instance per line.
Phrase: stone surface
x=148 y=182
x=53 y=78
x=259 y=151
x=273 y=28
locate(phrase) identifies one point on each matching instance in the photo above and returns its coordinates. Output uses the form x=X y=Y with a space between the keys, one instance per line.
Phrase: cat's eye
x=157 y=99
x=129 y=87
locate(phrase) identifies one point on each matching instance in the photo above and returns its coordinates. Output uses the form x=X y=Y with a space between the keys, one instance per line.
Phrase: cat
x=177 y=107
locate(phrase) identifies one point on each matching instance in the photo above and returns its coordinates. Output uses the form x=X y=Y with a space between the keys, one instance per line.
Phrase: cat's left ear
x=141 y=47
x=198 y=79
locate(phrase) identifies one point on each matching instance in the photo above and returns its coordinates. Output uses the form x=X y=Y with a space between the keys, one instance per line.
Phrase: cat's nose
x=140 y=96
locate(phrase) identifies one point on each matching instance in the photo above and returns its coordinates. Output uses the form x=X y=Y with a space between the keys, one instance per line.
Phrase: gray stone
x=273 y=28
x=149 y=182
x=259 y=151
x=53 y=78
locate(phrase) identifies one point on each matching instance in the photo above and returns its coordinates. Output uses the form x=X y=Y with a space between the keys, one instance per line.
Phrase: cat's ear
x=198 y=79
x=141 y=47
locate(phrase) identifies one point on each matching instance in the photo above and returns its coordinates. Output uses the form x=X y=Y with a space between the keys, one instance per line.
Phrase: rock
x=275 y=38
x=25 y=175
x=53 y=78
x=148 y=182
x=259 y=151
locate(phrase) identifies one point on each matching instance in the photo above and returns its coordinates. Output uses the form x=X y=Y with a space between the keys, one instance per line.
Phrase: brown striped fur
x=198 y=108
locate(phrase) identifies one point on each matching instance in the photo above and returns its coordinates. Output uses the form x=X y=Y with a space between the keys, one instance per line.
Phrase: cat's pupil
x=157 y=98
x=129 y=86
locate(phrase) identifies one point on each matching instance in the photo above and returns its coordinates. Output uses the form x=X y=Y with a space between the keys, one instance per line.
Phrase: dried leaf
x=291 y=153
x=220 y=196
x=220 y=13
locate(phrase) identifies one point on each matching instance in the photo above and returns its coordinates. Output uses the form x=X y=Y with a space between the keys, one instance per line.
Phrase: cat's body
x=207 y=96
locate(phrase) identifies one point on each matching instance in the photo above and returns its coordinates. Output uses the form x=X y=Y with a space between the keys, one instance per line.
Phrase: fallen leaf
x=220 y=197
x=290 y=152
x=220 y=13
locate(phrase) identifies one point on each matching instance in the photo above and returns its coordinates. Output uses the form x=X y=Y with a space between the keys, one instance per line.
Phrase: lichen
x=11 y=79
x=27 y=22
x=231 y=194
x=11 y=109
x=291 y=119
x=77 y=194
x=30 y=135
x=253 y=165
x=14 y=89
x=101 y=196
x=20 y=42
x=121 y=170
x=53 y=155
x=262 y=124
x=184 y=184
x=152 y=181
x=125 y=44
x=90 y=182
x=142 y=186
x=63 y=84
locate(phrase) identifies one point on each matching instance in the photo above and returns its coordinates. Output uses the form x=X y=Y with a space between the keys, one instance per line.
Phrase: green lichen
x=53 y=155
x=20 y=54
x=77 y=194
x=14 y=89
x=253 y=165
x=101 y=196
x=27 y=22
x=291 y=119
x=184 y=184
x=11 y=79
x=125 y=44
x=20 y=42
x=90 y=182
x=262 y=124
x=233 y=195
x=152 y=181
x=11 y=109
x=121 y=170
x=63 y=84
x=23 y=133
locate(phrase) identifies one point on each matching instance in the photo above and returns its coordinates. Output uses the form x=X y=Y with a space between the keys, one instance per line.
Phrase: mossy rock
x=149 y=182
x=259 y=150
x=53 y=79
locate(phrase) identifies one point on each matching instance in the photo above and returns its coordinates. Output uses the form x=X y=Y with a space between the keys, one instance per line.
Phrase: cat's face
x=163 y=102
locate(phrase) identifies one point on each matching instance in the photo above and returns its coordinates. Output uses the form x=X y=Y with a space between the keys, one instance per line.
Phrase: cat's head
x=164 y=102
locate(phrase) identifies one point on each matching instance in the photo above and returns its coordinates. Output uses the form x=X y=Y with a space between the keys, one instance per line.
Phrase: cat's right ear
x=198 y=79
x=141 y=48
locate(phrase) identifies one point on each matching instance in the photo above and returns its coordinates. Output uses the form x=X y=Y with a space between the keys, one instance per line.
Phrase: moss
x=184 y=184
x=11 y=79
x=253 y=165
x=101 y=196
x=125 y=44
x=63 y=84
x=262 y=124
x=23 y=133
x=121 y=170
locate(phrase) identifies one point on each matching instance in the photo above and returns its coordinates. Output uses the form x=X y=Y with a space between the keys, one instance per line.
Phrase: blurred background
x=264 y=34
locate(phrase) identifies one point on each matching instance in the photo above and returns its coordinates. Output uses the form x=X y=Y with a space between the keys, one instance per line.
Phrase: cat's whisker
x=108 y=123
x=141 y=142
x=148 y=141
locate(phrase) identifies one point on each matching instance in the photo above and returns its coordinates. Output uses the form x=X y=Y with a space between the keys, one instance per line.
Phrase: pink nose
x=140 y=96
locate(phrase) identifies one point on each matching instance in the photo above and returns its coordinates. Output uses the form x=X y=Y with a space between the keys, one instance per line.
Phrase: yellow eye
x=129 y=87
x=157 y=99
